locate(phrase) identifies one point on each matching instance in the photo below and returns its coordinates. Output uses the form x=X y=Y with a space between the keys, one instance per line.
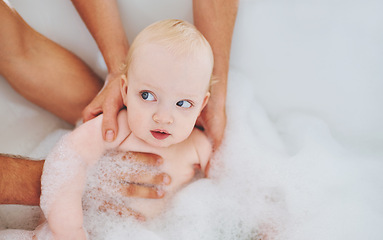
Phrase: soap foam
x=61 y=165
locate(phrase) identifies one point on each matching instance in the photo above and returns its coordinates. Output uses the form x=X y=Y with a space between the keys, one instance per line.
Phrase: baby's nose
x=163 y=117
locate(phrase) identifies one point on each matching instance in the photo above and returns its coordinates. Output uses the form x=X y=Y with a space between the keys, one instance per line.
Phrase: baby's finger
x=134 y=190
x=121 y=210
x=144 y=158
x=146 y=178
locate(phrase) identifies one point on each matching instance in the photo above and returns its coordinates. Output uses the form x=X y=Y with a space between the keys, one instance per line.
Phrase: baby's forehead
x=156 y=64
x=178 y=50
x=153 y=54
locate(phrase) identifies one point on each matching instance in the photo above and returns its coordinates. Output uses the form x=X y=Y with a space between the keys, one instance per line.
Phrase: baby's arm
x=64 y=176
x=204 y=149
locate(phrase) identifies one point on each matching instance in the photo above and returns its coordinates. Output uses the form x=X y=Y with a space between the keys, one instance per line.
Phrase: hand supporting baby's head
x=166 y=82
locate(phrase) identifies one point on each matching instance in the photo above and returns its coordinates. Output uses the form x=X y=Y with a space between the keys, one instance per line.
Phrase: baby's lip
x=160 y=134
x=160 y=131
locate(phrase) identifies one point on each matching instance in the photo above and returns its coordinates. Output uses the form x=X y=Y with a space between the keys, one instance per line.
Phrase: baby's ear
x=124 y=85
x=205 y=100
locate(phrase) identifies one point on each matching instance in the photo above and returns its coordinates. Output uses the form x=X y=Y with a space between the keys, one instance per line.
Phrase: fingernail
x=109 y=135
x=160 y=192
x=166 y=179
x=160 y=161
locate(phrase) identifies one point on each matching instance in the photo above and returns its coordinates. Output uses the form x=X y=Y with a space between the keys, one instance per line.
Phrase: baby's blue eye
x=184 y=104
x=147 y=96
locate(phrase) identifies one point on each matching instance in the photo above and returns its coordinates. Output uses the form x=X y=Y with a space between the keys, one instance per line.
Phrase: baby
x=165 y=87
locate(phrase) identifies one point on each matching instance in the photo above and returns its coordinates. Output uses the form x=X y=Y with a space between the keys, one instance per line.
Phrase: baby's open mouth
x=160 y=134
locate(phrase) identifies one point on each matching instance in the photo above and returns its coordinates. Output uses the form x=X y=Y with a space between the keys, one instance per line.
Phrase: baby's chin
x=163 y=143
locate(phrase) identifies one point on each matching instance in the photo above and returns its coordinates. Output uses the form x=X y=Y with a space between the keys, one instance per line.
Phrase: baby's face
x=165 y=94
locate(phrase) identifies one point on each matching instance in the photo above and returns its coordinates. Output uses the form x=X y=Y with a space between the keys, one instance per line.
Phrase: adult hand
x=215 y=19
x=121 y=210
x=144 y=184
x=213 y=120
x=109 y=102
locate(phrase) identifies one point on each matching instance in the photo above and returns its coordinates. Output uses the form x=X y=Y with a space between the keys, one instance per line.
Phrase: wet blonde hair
x=177 y=36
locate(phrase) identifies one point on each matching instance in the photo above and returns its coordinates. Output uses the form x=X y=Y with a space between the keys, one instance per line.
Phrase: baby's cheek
x=186 y=130
x=135 y=122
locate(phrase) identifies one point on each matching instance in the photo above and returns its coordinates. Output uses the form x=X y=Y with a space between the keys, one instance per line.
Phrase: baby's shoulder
x=198 y=141
x=91 y=131
x=198 y=136
x=123 y=126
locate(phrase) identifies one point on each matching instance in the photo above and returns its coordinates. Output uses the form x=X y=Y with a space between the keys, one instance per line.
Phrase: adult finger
x=216 y=134
x=91 y=111
x=146 y=178
x=214 y=124
x=140 y=191
x=121 y=210
x=109 y=122
x=149 y=159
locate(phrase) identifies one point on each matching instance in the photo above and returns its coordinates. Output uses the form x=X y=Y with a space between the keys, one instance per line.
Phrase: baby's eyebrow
x=147 y=85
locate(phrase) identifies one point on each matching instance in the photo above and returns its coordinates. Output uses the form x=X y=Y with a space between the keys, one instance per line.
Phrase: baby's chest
x=179 y=160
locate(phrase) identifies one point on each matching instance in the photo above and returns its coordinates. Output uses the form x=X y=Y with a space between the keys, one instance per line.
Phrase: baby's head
x=166 y=85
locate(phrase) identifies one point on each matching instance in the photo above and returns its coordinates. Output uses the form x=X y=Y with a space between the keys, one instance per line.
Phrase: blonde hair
x=177 y=36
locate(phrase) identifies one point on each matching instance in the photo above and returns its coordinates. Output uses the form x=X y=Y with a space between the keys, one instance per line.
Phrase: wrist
x=115 y=60
x=20 y=181
x=218 y=91
x=113 y=76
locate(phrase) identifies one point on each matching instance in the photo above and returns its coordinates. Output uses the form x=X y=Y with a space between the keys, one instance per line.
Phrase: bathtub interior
x=302 y=154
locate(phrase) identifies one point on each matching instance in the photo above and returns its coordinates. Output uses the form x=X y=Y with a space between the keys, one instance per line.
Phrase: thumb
x=109 y=123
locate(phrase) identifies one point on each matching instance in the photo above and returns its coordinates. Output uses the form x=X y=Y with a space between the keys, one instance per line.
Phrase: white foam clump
x=332 y=192
x=60 y=166
x=104 y=181
x=14 y=234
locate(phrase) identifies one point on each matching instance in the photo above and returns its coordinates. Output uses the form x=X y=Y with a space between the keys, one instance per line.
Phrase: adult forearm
x=102 y=18
x=42 y=71
x=215 y=19
x=20 y=180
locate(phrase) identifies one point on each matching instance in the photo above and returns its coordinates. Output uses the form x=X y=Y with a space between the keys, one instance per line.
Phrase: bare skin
x=102 y=18
x=36 y=67
x=20 y=179
x=214 y=18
